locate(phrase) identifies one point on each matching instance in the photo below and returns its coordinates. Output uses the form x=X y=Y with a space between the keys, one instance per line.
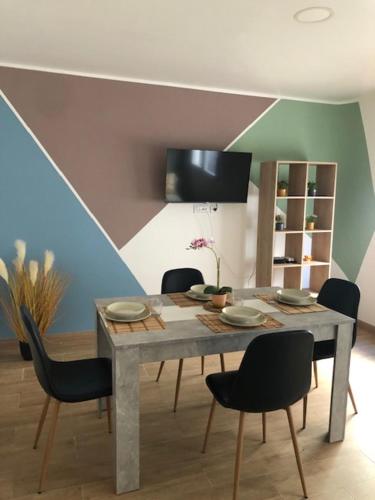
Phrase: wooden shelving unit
x=295 y=239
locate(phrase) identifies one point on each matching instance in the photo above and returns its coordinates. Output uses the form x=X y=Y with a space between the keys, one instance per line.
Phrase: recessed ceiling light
x=313 y=15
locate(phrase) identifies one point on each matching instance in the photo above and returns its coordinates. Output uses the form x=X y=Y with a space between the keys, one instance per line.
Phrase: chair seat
x=82 y=380
x=324 y=349
x=220 y=384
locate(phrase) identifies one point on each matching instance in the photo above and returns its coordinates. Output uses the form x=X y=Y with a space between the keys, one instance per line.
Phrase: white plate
x=257 y=322
x=240 y=314
x=308 y=302
x=293 y=294
x=146 y=314
x=192 y=295
x=125 y=310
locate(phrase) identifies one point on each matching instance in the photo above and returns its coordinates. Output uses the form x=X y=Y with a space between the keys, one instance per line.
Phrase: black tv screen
x=202 y=176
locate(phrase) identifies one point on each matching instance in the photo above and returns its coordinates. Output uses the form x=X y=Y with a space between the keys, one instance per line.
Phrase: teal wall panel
x=36 y=205
x=296 y=130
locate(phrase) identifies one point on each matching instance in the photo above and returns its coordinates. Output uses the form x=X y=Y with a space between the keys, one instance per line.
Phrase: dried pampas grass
x=40 y=292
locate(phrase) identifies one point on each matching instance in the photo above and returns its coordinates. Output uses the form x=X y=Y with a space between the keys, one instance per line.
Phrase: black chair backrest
x=342 y=296
x=275 y=372
x=42 y=363
x=180 y=280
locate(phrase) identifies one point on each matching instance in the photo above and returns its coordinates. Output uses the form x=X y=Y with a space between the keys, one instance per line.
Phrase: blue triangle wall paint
x=37 y=205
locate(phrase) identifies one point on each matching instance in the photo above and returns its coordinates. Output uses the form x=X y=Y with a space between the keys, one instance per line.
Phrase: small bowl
x=294 y=295
x=241 y=314
x=198 y=290
x=125 y=310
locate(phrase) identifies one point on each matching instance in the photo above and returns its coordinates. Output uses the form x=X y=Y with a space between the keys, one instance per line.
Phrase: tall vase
x=25 y=351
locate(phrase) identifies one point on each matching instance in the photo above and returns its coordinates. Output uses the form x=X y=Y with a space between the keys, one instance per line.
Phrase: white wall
x=165 y=238
x=366 y=276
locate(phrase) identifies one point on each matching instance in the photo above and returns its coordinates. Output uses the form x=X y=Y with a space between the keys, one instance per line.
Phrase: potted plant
x=311 y=189
x=219 y=295
x=311 y=221
x=279 y=223
x=282 y=188
x=36 y=285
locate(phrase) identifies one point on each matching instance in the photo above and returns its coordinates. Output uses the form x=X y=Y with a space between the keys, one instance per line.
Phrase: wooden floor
x=172 y=465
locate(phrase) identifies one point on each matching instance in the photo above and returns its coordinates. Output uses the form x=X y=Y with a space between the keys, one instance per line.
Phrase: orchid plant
x=37 y=285
x=198 y=244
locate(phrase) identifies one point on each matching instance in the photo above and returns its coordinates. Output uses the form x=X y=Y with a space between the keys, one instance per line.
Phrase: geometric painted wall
x=87 y=181
x=37 y=206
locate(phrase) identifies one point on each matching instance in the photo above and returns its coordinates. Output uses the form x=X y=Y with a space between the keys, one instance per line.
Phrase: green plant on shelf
x=311 y=220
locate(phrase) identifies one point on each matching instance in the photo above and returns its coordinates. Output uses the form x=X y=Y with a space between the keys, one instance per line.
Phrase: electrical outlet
x=201 y=208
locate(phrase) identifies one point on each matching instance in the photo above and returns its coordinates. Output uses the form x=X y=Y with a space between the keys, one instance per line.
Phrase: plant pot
x=282 y=192
x=310 y=226
x=25 y=351
x=312 y=192
x=219 y=300
x=279 y=226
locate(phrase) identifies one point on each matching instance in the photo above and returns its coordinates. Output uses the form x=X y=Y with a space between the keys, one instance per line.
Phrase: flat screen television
x=204 y=176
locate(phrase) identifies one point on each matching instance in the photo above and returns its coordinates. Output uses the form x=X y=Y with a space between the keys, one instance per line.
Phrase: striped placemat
x=286 y=308
x=151 y=323
x=182 y=300
x=213 y=322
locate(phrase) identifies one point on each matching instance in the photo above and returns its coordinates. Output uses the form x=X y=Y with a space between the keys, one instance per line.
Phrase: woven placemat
x=182 y=300
x=286 y=308
x=151 y=323
x=213 y=322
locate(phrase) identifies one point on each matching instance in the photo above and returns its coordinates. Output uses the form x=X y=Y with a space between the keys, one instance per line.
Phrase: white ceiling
x=249 y=46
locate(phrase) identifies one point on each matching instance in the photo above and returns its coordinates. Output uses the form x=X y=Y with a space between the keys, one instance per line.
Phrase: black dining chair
x=275 y=373
x=180 y=280
x=65 y=382
x=342 y=296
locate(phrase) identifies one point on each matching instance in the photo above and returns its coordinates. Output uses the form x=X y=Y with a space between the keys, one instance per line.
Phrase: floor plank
x=172 y=465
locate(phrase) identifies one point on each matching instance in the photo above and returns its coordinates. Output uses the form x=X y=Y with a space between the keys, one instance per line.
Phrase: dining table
x=182 y=331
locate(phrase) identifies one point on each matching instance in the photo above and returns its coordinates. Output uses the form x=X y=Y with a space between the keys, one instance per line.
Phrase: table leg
x=103 y=350
x=125 y=373
x=340 y=382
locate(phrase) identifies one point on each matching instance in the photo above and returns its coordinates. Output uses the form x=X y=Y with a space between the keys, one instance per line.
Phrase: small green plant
x=311 y=218
x=279 y=218
x=214 y=290
x=311 y=185
x=282 y=185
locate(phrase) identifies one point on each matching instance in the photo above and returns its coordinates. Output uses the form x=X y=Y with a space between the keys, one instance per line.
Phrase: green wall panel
x=295 y=130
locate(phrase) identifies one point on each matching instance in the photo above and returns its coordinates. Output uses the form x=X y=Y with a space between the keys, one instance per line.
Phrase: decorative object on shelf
x=282 y=188
x=279 y=223
x=311 y=220
x=36 y=285
x=311 y=189
x=198 y=244
x=307 y=258
x=219 y=295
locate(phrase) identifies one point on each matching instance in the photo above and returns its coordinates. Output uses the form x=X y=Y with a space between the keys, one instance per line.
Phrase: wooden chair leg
x=178 y=383
x=209 y=423
x=304 y=412
x=238 y=455
x=202 y=365
x=352 y=399
x=109 y=413
x=222 y=362
x=41 y=420
x=315 y=365
x=296 y=451
x=160 y=370
x=264 y=426
x=47 y=452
